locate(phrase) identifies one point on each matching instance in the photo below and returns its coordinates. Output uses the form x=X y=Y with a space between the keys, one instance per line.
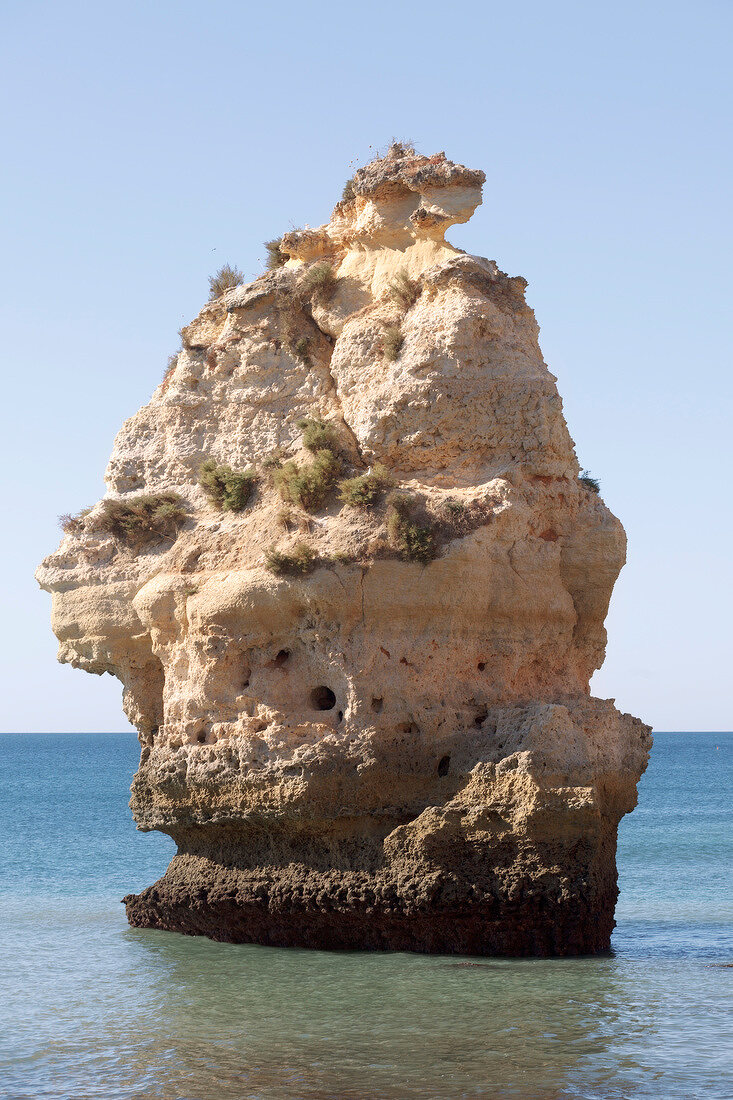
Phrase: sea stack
x=354 y=586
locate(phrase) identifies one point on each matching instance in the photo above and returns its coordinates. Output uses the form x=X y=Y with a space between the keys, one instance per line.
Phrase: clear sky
x=145 y=144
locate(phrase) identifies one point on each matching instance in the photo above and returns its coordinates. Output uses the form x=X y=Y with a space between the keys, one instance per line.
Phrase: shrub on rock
x=363 y=491
x=226 y=278
x=140 y=520
x=414 y=541
x=299 y=560
x=227 y=489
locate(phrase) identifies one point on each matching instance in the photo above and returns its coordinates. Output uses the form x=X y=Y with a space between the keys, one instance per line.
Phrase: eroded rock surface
x=392 y=749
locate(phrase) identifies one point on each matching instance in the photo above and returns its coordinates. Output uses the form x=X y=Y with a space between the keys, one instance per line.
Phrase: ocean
x=90 y=1008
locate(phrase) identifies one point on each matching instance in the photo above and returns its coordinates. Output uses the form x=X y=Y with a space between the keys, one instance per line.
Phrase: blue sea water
x=90 y=1008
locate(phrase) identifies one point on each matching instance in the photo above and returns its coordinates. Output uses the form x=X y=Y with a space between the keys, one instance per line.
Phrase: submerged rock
x=357 y=651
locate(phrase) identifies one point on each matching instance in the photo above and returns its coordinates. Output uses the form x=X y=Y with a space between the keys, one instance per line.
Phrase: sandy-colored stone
x=463 y=792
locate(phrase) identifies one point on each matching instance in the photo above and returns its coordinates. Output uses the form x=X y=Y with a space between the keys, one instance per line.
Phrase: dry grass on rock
x=141 y=520
x=392 y=341
x=404 y=291
x=226 y=278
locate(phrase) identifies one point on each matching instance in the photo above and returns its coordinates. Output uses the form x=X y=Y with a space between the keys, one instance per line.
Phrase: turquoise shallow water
x=91 y=1008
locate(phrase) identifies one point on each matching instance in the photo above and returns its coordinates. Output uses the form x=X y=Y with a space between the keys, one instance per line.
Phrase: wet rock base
x=418 y=909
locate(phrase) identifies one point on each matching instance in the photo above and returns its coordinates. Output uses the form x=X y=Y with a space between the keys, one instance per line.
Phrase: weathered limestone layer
x=381 y=752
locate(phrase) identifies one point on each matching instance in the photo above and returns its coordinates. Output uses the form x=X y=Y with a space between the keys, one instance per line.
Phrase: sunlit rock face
x=395 y=748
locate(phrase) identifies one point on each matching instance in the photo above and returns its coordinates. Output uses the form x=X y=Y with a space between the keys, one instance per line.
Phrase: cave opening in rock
x=443 y=765
x=322 y=698
x=280 y=658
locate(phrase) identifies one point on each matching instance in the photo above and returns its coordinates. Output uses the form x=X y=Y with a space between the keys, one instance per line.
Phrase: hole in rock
x=322 y=698
x=481 y=666
x=279 y=659
x=377 y=705
x=341 y=716
x=480 y=718
x=443 y=765
x=201 y=737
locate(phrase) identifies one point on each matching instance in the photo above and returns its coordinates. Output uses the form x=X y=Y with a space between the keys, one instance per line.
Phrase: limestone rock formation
x=357 y=646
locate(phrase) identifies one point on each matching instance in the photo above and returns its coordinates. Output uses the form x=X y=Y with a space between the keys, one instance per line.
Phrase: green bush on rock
x=413 y=540
x=363 y=491
x=299 y=560
x=318 y=435
x=227 y=489
x=308 y=485
x=589 y=482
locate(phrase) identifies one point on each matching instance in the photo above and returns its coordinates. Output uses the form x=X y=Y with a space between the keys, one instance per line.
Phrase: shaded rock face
x=395 y=748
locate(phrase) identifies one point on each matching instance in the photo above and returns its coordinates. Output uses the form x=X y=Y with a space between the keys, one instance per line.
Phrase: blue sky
x=145 y=144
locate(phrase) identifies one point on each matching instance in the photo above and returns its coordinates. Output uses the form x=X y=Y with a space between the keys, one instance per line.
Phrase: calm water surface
x=92 y=1008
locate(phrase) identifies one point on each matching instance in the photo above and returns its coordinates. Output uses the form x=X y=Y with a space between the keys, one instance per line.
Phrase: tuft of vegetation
x=275 y=257
x=294 y=307
x=413 y=540
x=227 y=489
x=589 y=481
x=226 y=278
x=293 y=319
x=404 y=291
x=363 y=491
x=308 y=485
x=342 y=557
x=142 y=519
x=392 y=341
x=401 y=148
x=273 y=461
x=349 y=191
x=74 y=525
x=318 y=283
x=169 y=368
x=300 y=559
x=318 y=435
x=454 y=507
x=301 y=349
x=285 y=518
